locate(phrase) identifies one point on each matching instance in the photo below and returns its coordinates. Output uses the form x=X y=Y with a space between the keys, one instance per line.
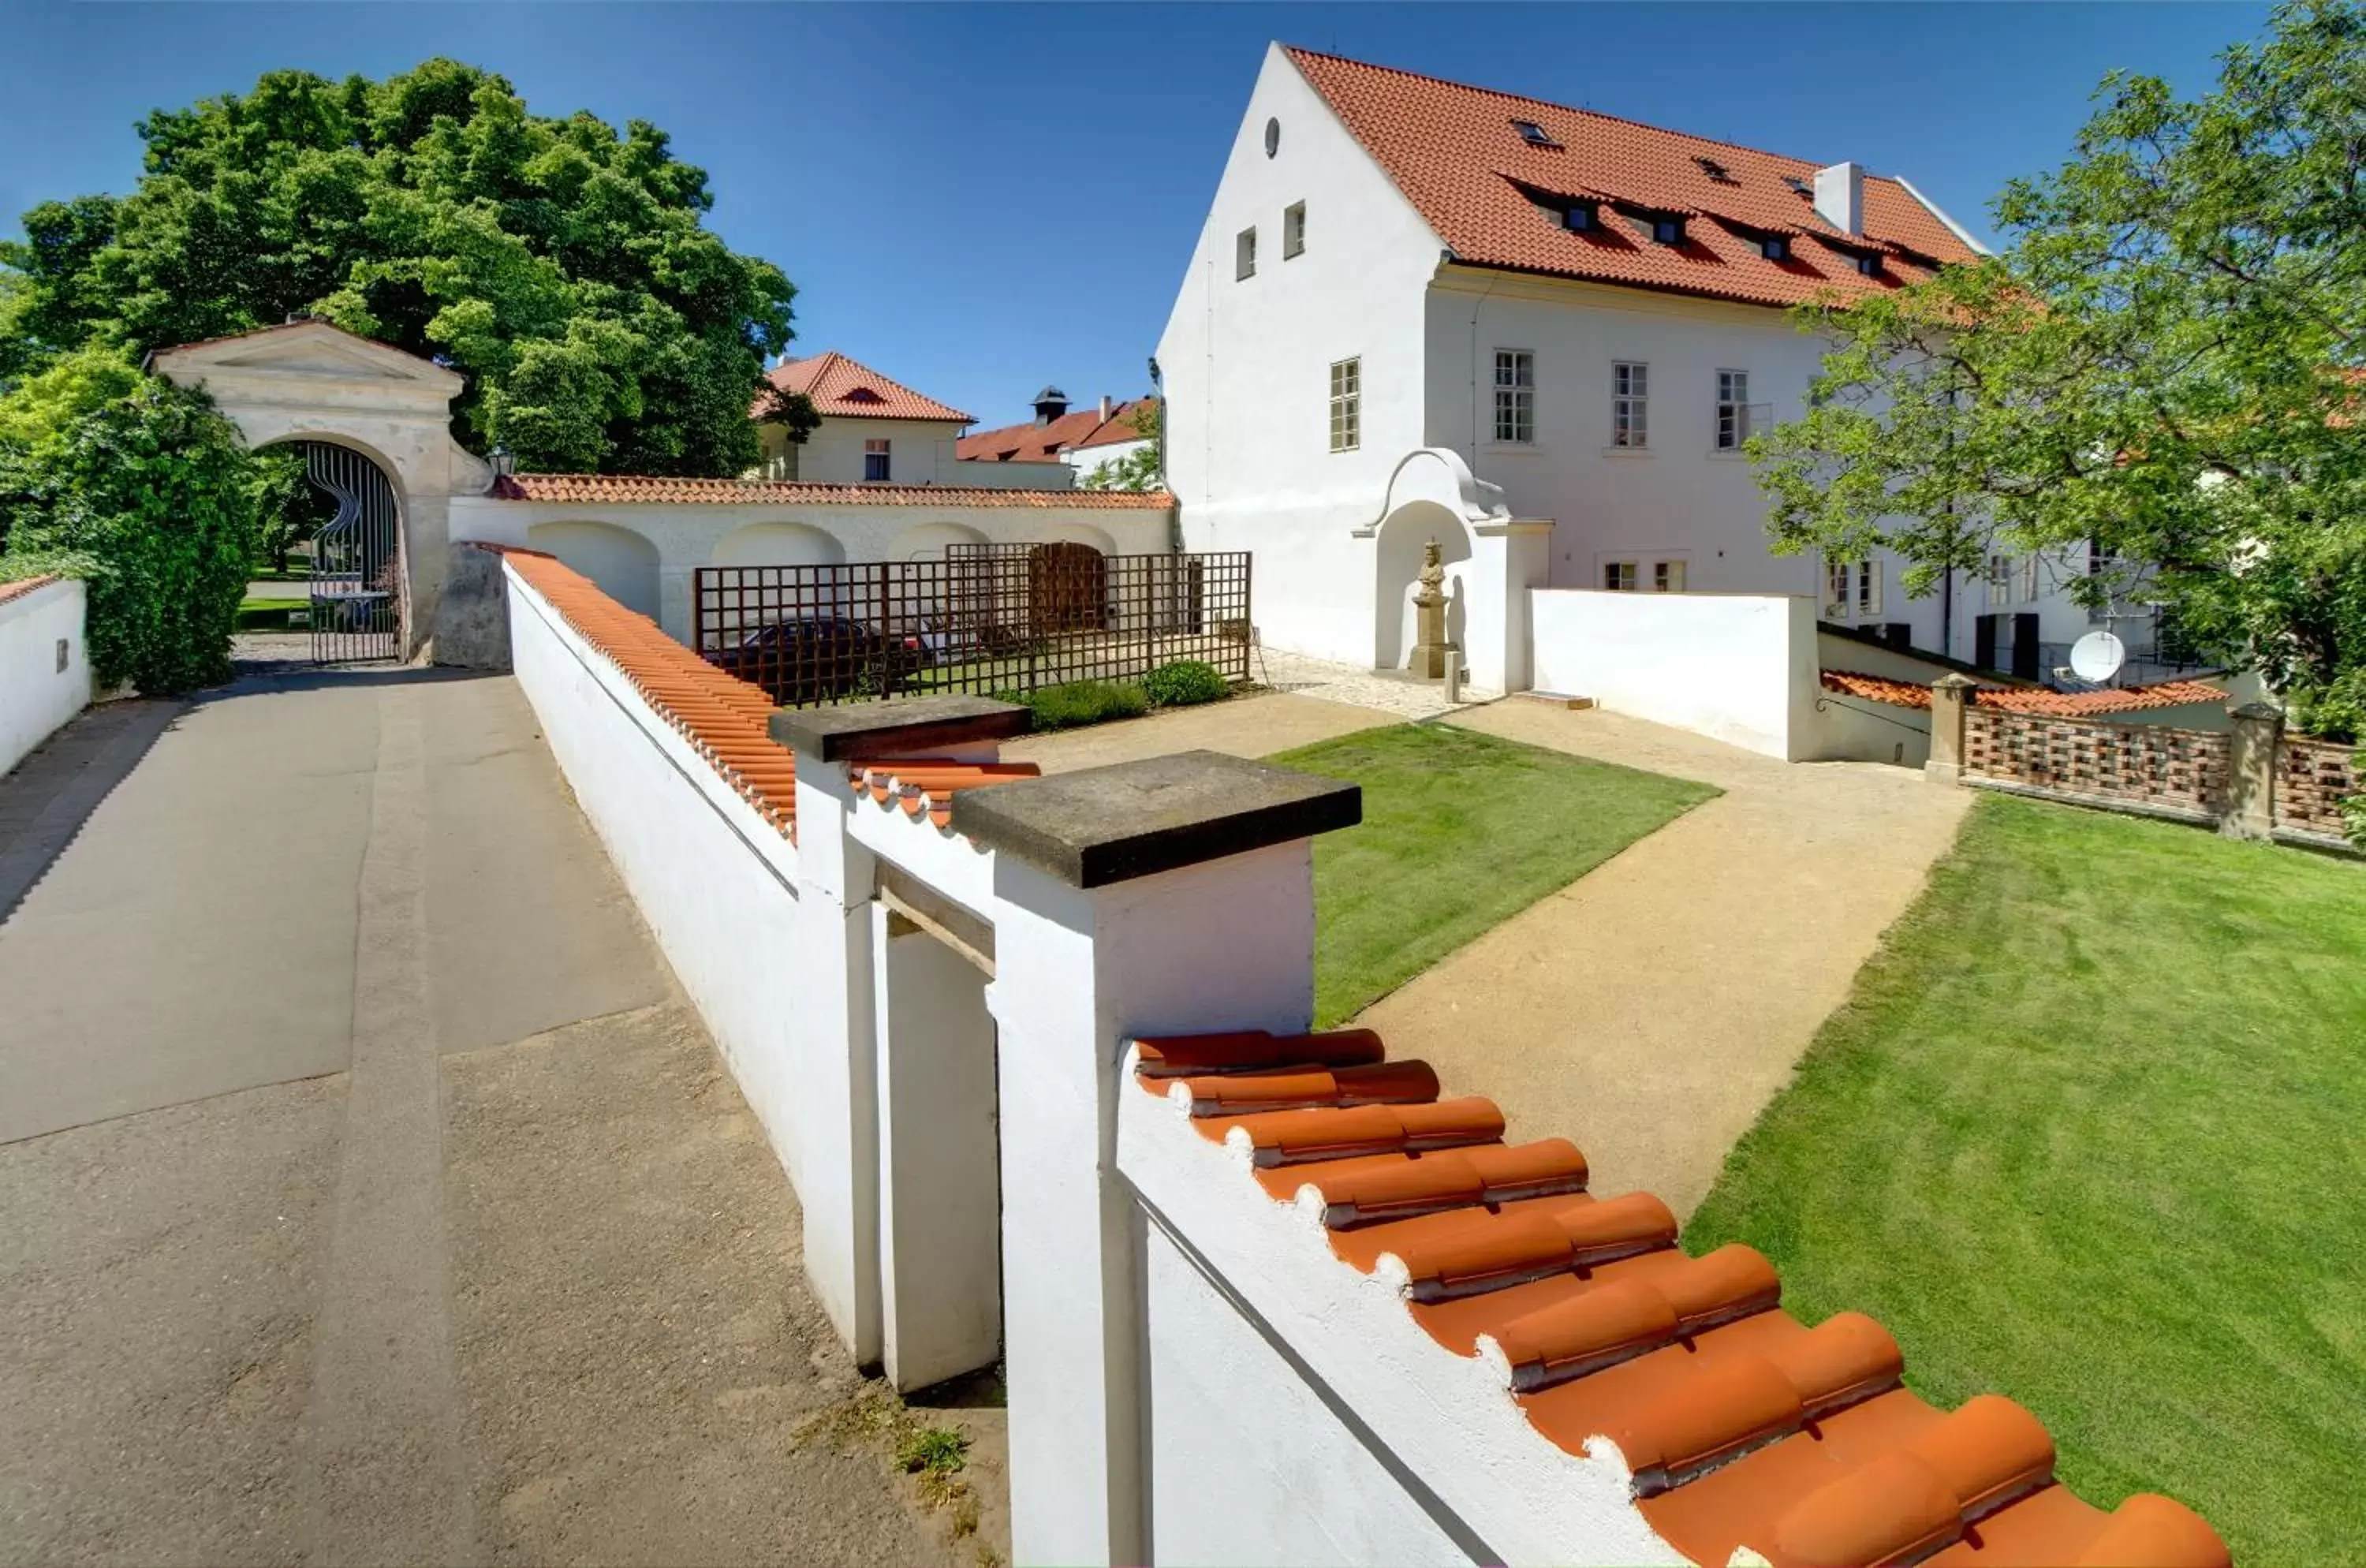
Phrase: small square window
x=1579 y=217
x=1775 y=247
x=1869 y=265
x=875 y=462
x=1293 y=230
x=1245 y=254
x=1667 y=577
x=1668 y=230
x=1619 y=576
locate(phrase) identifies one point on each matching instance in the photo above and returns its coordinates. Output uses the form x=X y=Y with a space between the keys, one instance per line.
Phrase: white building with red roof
x=876 y=430
x=1536 y=334
x=1080 y=440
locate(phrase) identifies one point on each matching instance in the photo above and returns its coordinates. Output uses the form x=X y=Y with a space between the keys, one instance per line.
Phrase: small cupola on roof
x=1840 y=196
x=1050 y=403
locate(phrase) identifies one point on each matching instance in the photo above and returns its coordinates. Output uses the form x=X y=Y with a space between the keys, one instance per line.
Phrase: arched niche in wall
x=622 y=562
x=1401 y=536
x=778 y=544
x=927 y=541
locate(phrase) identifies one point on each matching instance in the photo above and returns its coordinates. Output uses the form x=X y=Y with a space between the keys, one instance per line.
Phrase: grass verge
x=2087 y=1133
x=1461 y=831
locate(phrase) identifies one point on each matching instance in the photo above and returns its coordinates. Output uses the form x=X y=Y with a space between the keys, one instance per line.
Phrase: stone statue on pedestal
x=1430 y=644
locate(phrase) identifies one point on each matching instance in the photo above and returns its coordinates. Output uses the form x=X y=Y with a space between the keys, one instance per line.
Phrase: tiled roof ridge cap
x=1297 y=51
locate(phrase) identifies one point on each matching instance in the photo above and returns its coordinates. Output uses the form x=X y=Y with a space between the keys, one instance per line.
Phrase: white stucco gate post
x=1164 y=896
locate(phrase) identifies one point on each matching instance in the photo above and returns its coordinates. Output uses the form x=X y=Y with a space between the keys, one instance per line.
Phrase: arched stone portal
x=359 y=598
x=312 y=382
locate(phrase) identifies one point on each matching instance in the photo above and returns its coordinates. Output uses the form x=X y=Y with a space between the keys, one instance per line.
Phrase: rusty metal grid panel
x=987 y=620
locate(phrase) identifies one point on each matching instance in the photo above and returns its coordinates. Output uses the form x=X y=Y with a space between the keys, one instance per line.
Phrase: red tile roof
x=22 y=586
x=2118 y=699
x=639 y=489
x=1452 y=150
x=726 y=720
x=1743 y=1426
x=2055 y=705
x=1032 y=442
x=847 y=389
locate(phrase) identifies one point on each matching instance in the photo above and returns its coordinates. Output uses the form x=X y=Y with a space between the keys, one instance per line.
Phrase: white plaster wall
x=1247 y=367
x=1248 y=1463
x=36 y=694
x=686 y=537
x=920 y=451
x=715 y=883
x=624 y=563
x=1089 y=460
x=1847 y=729
x=992 y=474
x=1738 y=667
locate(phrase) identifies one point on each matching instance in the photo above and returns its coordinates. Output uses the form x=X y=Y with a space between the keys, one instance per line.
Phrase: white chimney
x=1840 y=196
x=1105 y=408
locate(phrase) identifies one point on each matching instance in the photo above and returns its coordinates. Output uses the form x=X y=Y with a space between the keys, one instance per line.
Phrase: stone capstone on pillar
x=1951 y=697
x=904 y=727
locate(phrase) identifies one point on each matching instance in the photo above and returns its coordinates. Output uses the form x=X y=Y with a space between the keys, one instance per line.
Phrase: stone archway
x=309 y=381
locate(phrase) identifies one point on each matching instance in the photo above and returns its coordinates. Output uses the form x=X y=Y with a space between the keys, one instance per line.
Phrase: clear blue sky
x=980 y=198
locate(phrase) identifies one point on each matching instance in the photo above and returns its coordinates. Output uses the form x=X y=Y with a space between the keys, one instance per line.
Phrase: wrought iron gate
x=356 y=578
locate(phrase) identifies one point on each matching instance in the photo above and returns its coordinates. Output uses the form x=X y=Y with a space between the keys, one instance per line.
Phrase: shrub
x=1084 y=702
x=153 y=490
x=1185 y=681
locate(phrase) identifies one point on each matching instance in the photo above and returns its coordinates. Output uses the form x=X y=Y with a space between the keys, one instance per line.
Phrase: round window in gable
x=1272 y=137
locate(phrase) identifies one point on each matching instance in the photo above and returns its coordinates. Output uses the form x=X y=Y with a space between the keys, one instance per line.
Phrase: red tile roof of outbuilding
x=1032 y=442
x=1455 y=154
x=847 y=389
x=651 y=490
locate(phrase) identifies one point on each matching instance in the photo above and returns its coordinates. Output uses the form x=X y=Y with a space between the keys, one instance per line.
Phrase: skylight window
x=1800 y=187
x=1713 y=170
x=1532 y=133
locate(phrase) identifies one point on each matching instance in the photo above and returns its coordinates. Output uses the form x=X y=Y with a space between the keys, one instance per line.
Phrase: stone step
x=1554 y=699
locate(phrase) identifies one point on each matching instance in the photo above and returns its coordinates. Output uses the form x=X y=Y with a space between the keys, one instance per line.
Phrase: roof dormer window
x=1867 y=262
x=1667 y=230
x=1532 y=133
x=1568 y=212
x=1775 y=247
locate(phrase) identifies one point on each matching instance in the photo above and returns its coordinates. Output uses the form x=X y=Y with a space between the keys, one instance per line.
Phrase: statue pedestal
x=1430 y=645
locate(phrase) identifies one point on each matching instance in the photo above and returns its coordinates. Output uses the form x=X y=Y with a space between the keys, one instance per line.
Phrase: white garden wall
x=715 y=882
x=44 y=668
x=1738 y=667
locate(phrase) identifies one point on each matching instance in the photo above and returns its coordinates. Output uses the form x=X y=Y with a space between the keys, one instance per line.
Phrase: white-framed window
x=2027 y=576
x=1868 y=587
x=2000 y=579
x=1516 y=396
x=1667 y=577
x=1839 y=577
x=1620 y=576
x=1732 y=409
x=1629 y=393
x=877 y=468
x=1293 y=230
x=1347 y=404
x=1245 y=254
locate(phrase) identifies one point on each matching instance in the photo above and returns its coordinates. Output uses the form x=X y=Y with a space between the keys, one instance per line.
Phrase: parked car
x=818 y=658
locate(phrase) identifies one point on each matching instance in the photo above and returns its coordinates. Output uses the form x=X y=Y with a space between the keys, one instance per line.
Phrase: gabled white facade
x=1248 y=374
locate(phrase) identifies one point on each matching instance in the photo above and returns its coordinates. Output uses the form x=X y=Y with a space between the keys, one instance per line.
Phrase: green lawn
x=1460 y=832
x=2091 y=1131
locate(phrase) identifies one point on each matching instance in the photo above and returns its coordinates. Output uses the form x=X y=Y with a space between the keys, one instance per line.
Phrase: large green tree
x=2167 y=361
x=563 y=267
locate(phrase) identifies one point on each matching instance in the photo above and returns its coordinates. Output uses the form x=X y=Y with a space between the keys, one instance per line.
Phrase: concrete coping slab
x=1105 y=825
x=901 y=726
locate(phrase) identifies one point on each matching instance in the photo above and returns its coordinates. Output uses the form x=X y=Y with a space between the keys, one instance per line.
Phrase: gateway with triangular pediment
x=313 y=349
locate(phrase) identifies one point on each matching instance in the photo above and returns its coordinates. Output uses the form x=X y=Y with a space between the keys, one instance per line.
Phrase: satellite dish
x=2097 y=656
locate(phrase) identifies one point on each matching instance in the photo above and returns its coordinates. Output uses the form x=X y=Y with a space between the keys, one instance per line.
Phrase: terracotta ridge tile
x=1288 y=1090
x=1402 y=1187
x=1253 y=1049
x=1632 y=1318
x=1286 y=1138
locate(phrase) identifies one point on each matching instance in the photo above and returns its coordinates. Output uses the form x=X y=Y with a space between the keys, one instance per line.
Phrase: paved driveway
x=367 y=1193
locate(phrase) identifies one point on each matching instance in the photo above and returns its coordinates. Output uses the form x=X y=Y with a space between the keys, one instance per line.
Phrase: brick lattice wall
x=2311 y=778
x=2176 y=769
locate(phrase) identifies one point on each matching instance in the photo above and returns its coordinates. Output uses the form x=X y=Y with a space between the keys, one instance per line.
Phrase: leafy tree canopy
x=2167 y=362
x=1138 y=469
x=562 y=266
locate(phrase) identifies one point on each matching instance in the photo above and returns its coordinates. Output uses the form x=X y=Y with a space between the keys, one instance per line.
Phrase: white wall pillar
x=1168 y=897
x=837 y=1073
x=939 y=1222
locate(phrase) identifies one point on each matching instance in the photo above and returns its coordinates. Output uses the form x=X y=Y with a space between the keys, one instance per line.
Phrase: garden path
x=367 y=1190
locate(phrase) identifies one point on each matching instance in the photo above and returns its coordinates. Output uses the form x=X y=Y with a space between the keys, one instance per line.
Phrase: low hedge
x=1185 y=681
x=1082 y=702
